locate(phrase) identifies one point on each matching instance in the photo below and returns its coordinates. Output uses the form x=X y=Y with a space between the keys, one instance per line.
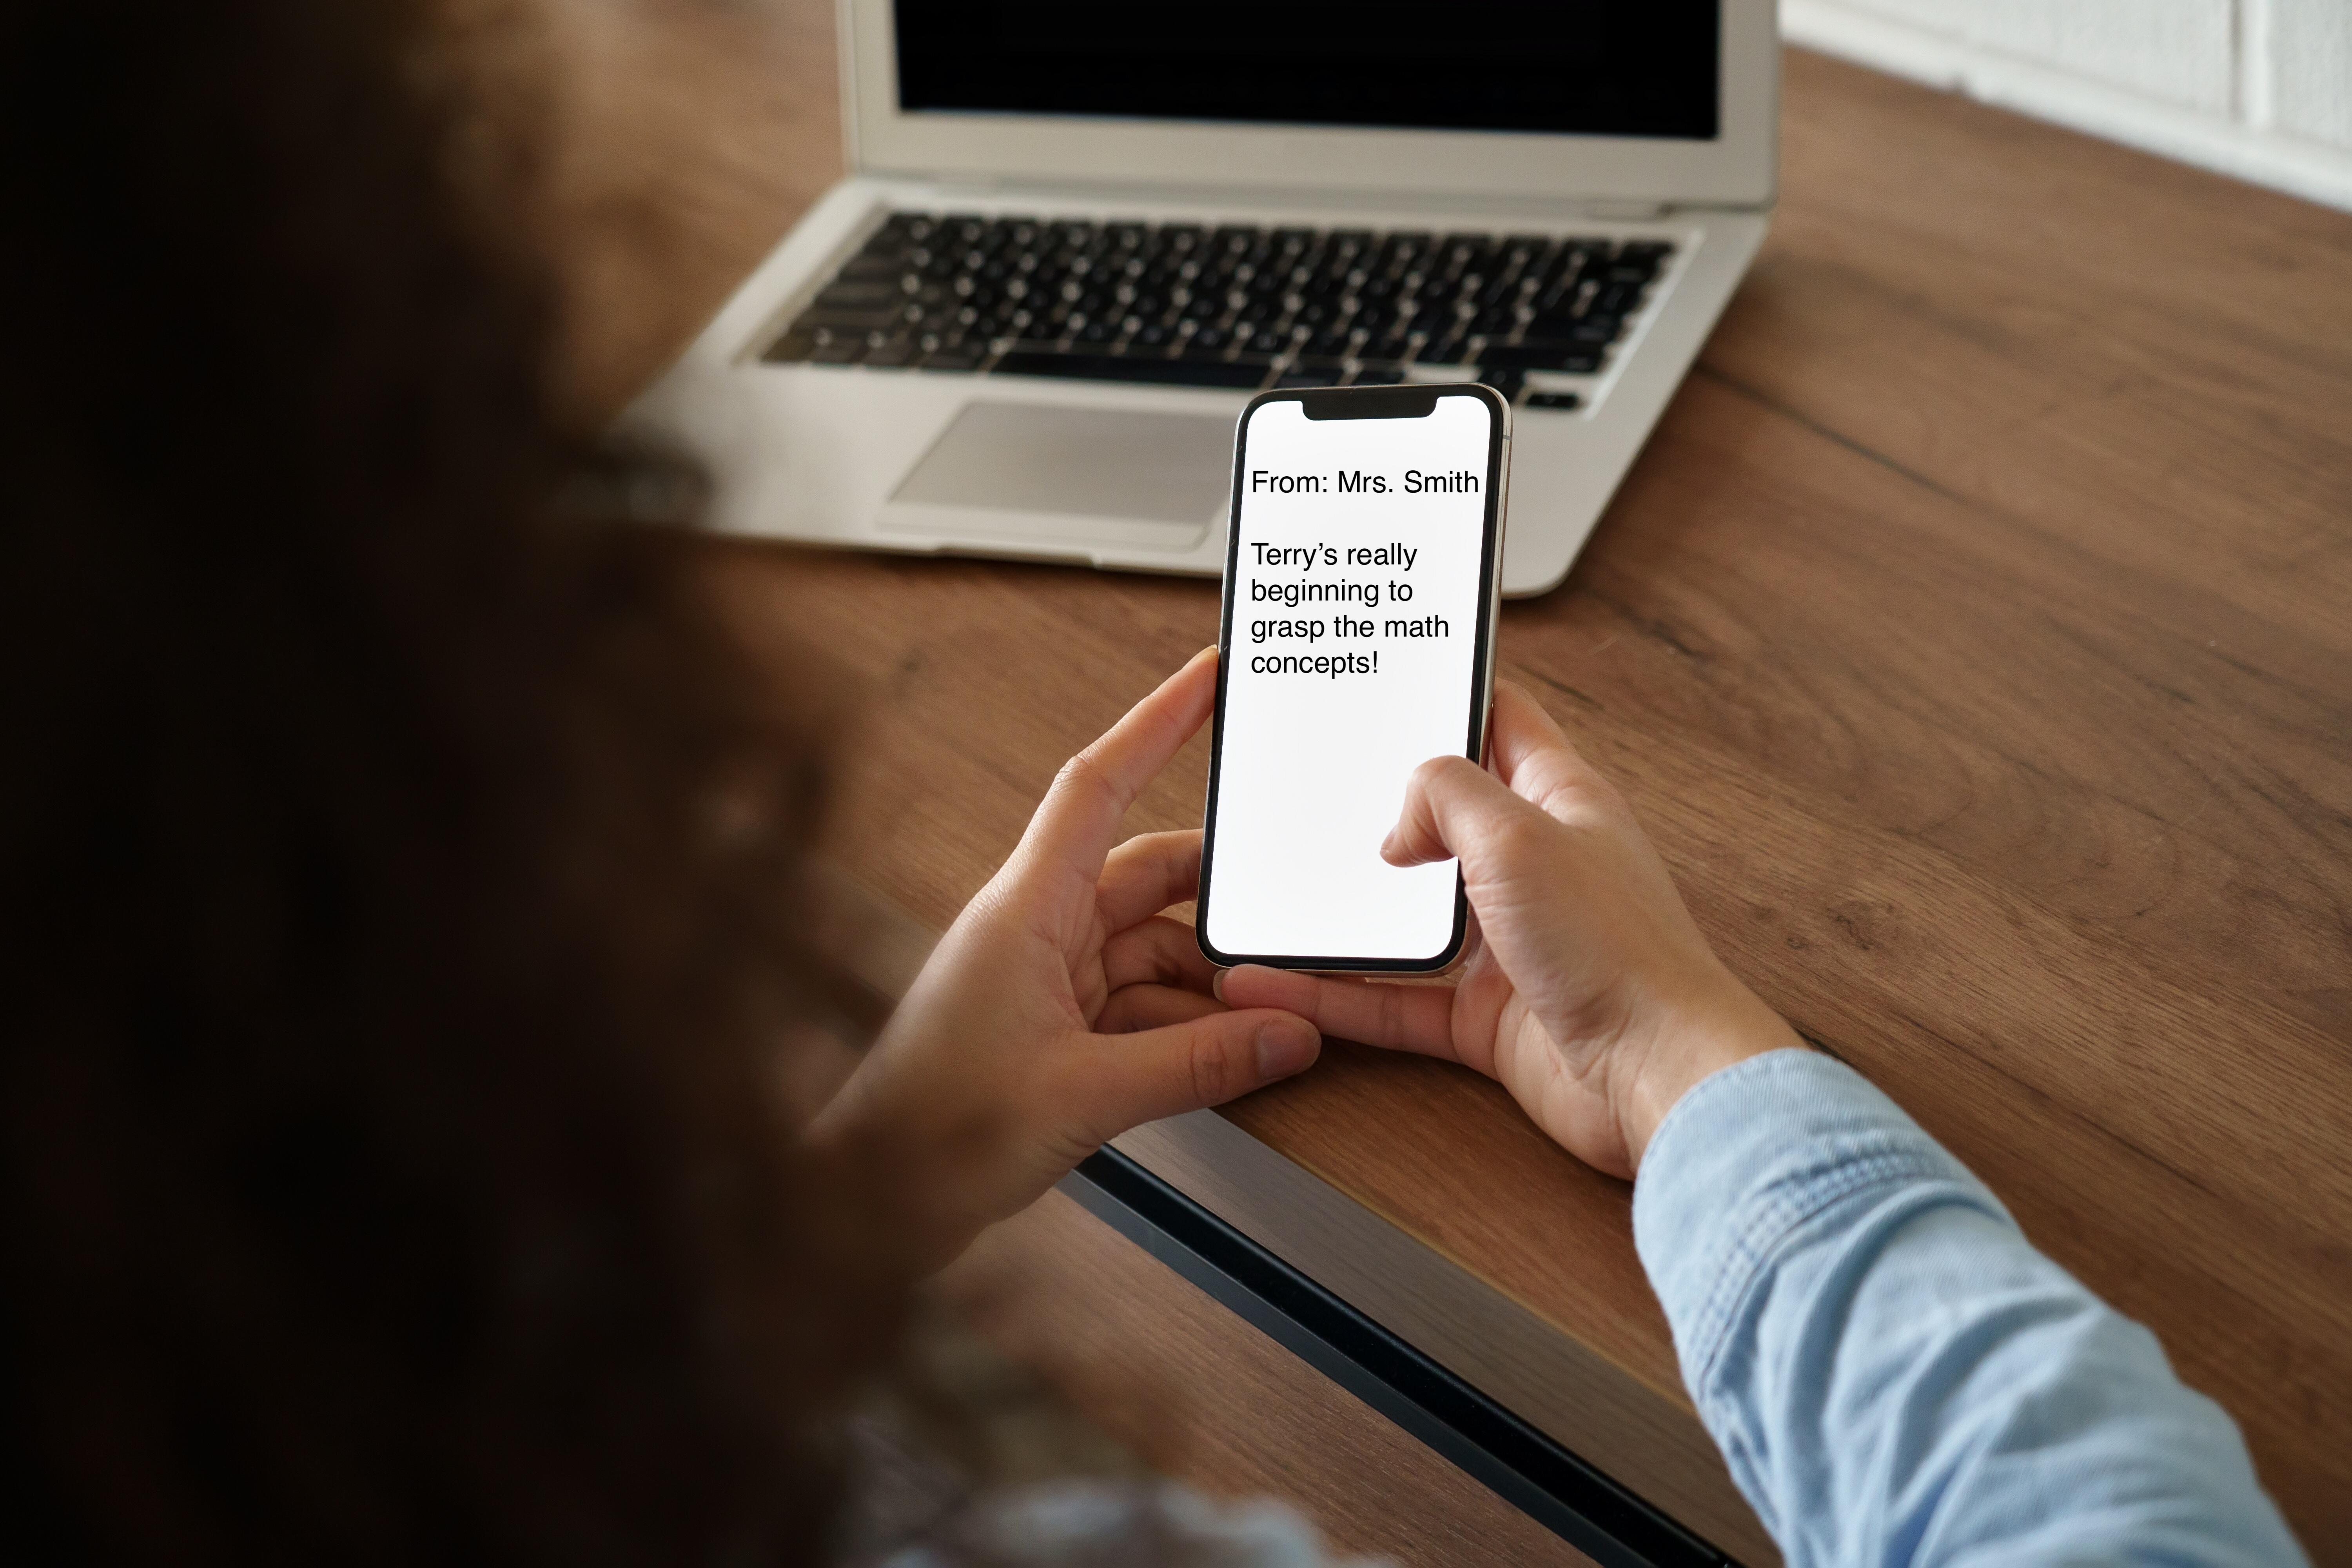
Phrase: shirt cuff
x=1743 y=1159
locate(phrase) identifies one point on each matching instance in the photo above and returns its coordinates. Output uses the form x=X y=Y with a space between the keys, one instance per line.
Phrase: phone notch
x=1369 y=403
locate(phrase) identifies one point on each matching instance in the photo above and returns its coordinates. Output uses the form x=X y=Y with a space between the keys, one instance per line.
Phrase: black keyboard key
x=1295 y=377
x=1524 y=249
x=1463 y=253
x=1563 y=402
x=896 y=351
x=1615 y=299
x=1242 y=376
x=790 y=349
x=1209 y=342
x=1495 y=321
x=1509 y=383
x=1401 y=251
x=1386 y=375
x=1584 y=338
x=1568 y=326
x=846 y=324
x=1561 y=296
x=840 y=350
x=1573 y=358
x=966 y=357
x=1441 y=348
x=862 y=295
x=1236 y=242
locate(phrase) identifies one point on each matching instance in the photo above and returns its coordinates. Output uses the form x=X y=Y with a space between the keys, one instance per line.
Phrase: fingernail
x=1217 y=984
x=1285 y=1046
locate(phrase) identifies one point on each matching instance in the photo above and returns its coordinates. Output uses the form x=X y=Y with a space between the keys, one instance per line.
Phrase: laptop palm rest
x=1032 y=470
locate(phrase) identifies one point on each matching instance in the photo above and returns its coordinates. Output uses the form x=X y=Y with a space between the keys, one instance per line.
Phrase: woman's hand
x=1587 y=991
x=1061 y=1010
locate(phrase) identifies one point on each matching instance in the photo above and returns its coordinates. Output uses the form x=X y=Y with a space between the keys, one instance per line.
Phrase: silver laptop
x=1076 y=238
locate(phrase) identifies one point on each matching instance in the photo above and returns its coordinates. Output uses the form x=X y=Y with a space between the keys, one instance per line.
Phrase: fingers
x=1200 y=1062
x=1444 y=796
x=1449 y=798
x=1147 y=874
x=1159 y=952
x=1521 y=729
x=1134 y=1008
x=1401 y=1017
x=1530 y=752
x=1080 y=815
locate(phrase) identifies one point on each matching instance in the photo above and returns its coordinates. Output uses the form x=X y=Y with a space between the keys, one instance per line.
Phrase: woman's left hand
x=1062 y=1008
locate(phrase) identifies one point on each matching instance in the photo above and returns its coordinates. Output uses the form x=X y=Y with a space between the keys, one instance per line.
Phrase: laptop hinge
x=1627 y=211
x=1612 y=209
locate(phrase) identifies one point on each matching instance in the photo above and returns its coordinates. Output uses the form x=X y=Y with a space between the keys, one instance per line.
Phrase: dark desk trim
x=1518 y=1463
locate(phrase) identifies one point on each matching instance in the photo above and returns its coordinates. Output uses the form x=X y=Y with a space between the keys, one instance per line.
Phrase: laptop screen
x=1598 y=67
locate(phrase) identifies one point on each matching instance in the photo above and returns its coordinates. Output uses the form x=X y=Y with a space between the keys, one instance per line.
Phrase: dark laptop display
x=1601 y=67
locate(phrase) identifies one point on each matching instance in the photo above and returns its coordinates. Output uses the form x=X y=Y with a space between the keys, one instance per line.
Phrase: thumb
x=1447 y=802
x=1202 y=1062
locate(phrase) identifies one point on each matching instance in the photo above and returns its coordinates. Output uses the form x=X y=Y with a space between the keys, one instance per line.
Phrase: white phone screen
x=1357 y=600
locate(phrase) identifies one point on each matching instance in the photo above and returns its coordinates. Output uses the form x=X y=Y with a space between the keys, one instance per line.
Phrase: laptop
x=1076 y=238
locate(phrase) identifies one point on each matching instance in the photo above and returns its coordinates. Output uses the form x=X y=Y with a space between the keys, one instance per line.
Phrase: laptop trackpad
x=1103 y=476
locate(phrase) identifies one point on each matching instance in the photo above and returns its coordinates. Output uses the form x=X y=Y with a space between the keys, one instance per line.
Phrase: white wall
x=2258 y=88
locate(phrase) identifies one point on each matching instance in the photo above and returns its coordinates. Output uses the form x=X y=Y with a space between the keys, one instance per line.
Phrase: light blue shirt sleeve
x=1894 y=1374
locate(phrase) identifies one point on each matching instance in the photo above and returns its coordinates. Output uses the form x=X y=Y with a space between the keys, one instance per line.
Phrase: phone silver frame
x=1481 y=696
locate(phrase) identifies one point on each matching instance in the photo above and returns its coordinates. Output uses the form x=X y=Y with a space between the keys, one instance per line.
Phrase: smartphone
x=1358 y=642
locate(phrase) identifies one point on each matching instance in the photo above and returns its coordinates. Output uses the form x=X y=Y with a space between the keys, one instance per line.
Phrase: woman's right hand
x=1587 y=990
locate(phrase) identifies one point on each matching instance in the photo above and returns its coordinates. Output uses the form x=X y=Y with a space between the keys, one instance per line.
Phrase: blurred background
x=2258 y=88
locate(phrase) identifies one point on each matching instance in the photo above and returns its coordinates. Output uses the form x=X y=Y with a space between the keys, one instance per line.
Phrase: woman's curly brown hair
x=397 y=866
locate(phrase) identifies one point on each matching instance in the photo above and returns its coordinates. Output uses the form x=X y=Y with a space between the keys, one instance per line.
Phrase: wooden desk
x=1975 y=638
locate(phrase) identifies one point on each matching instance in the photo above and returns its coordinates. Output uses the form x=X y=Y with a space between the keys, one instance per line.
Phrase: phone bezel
x=1363 y=402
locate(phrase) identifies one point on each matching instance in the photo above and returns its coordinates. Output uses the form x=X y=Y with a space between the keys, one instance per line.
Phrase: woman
x=399 y=870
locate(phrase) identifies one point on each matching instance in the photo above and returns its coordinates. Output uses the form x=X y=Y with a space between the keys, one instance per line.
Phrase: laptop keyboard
x=1231 y=305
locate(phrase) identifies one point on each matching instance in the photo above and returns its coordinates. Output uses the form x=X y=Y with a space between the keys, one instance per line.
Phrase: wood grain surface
x=1195 y=1390
x=1974 y=637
